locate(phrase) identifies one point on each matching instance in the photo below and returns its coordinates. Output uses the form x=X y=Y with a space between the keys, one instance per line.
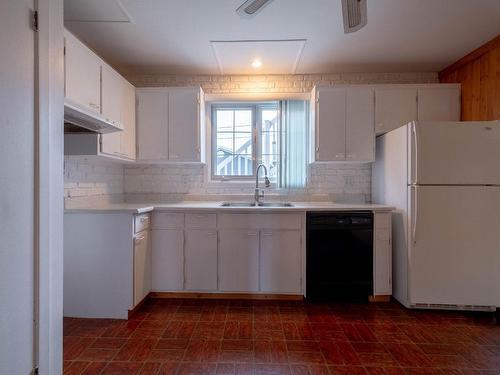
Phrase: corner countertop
x=137 y=208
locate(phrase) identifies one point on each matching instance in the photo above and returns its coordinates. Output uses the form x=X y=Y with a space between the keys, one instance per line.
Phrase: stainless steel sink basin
x=248 y=204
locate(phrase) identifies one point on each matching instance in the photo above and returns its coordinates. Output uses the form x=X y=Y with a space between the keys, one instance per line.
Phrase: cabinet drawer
x=168 y=220
x=200 y=220
x=142 y=222
x=260 y=221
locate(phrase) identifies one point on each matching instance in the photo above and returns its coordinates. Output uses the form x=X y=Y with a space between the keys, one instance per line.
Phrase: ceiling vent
x=354 y=13
x=251 y=7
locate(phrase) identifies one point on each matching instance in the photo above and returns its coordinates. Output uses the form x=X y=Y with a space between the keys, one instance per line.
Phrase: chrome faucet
x=259 y=193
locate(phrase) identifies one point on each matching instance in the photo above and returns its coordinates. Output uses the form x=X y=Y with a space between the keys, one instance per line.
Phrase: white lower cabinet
x=280 y=261
x=382 y=258
x=168 y=260
x=142 y=266
x=200 y=265
x=239 y=260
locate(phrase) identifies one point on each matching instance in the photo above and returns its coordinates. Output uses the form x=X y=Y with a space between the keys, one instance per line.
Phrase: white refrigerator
x=444 y=180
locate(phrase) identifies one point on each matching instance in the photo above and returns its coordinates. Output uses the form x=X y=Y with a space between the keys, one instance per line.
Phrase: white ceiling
x=174 y=36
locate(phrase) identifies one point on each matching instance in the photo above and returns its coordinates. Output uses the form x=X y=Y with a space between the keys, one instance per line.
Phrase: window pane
x=270 y=139
x=233 y=142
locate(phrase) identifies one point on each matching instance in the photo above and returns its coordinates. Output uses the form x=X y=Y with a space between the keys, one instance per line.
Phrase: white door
x=184 y=124
x=83 y=75
x=239 y=260
x=128 y=117
x=455 y=153
x=201 y=260
x=394 y=107
x=17 y=186
x=439 y=103
x=360 y=127
x=142 y=266
x=280 y=262
x=330 y=125
x=112 y=92
x=168 y=260
x=454 y=249
x=152 y=124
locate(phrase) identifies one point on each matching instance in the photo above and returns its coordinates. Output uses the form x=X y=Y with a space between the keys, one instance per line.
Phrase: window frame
x=256 y=108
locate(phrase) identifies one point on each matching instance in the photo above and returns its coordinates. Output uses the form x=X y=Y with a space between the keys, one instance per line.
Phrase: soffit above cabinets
x=276 y=56
x=95 y=11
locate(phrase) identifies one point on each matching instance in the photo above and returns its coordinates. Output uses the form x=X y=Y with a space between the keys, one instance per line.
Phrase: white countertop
x=135 y=208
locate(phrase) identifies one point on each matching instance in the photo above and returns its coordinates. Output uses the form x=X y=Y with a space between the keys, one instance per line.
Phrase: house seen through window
x=272 y=133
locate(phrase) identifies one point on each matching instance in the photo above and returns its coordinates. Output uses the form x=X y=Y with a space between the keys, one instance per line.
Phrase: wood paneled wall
x=479 y=74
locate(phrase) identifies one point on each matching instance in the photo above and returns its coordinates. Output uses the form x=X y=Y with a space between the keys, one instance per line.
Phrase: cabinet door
x=82 y=75
x=439 y=104
x=128 y=145
x=239 y=261
x=184 y=124
x=280 y=262
x=168 y=260
x=394 y=107
x=330 y=125
x=360 y=127
x=142 y=266
x=112 y=92
x=201 y=260
x=152 y=124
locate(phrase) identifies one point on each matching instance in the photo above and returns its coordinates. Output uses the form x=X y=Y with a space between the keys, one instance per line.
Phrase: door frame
x=49 y=186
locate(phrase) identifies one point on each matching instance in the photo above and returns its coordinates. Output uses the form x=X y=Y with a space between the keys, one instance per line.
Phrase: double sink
x=252 y=204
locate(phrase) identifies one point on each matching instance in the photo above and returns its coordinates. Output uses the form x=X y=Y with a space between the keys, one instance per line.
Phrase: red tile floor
x=190 y=337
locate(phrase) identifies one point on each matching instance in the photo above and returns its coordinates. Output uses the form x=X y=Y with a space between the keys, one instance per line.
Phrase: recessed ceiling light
x=256 y=63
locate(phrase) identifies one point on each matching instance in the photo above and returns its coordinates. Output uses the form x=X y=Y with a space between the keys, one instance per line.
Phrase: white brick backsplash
x=86 y=177
x=339 y=181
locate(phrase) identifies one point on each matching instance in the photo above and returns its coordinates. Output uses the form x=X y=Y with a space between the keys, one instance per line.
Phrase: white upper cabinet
x=344 y=124
x=169 y=124
x=82 y=75
x=330 y=124
x=152 y=124
x=112 y=92
x=360 y=127
x=394 y=107
x=439 y=103
x=128 y=138
x=184 y=124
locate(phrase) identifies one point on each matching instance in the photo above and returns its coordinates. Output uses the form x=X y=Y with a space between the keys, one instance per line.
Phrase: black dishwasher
x=339 y=256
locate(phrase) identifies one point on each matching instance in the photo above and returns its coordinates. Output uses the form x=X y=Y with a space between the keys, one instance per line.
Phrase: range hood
x=85 y=119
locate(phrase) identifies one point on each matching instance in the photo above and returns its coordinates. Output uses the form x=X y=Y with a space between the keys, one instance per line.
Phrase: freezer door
x=454 y=249
x=454 y=153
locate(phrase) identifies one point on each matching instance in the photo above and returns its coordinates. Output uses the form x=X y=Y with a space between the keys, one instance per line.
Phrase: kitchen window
x=273 y=133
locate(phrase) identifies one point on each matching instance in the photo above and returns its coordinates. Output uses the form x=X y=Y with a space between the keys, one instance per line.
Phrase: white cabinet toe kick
x=114 y=261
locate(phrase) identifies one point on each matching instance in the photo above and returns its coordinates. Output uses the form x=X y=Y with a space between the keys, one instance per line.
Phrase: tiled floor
x=272 y=338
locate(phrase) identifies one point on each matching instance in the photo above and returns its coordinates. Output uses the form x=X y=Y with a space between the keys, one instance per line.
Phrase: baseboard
x=233 y=296
x=380 y=298
x=139 y=305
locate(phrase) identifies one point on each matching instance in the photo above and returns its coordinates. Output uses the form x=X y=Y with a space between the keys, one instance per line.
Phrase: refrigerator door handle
x=415 y=213
x=415 y=153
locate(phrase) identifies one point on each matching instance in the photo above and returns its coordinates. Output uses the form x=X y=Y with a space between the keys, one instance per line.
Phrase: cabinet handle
x=144 y=218
x=211 y=234
x=252 y=234
x=267 y=234
x=340 y=155
x=138 y=239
